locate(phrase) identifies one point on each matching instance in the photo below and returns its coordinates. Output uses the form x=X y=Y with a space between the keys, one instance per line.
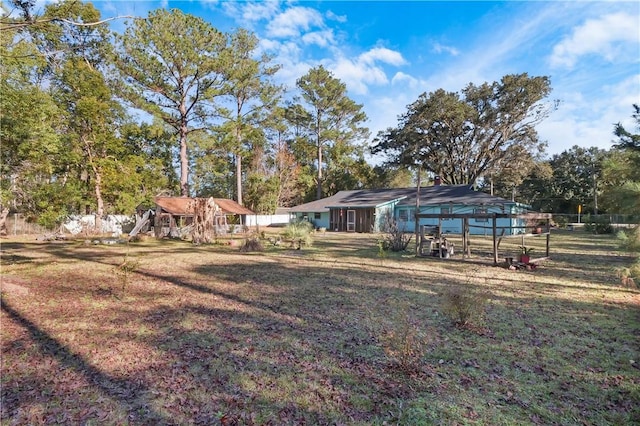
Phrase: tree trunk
x=184 y=158
x=319 y=187
x=99 y=200
x=98 y=184
x=3 y=221
x=204 y=213
x=239 y=178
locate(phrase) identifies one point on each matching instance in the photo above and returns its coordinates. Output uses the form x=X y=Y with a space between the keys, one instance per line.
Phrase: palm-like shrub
x=300 y=232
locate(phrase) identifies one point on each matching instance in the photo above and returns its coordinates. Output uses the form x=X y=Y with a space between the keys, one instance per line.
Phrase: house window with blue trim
x=445 y=210
x=405 y=215
x=481 y=211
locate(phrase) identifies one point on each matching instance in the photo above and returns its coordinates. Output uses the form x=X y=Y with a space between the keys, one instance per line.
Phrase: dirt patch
x=13 y=285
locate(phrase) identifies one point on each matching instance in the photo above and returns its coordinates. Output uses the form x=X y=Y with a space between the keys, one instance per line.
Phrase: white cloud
x=382 y=54
x=402 y=78
x=320 y=38
x=357 y=75
x=339 y=18
x=440 y=48
x=604 y=37
x=260 y=10
x=292 y=22
x=588 y=120
x=365 y=69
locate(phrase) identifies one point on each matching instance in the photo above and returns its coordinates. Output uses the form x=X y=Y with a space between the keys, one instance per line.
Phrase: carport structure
x=524 y=231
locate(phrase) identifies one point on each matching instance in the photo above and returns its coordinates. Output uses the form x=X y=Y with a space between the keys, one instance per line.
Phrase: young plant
x=403 y=338
x=465 y=305
x=300 y=232
x=125 y=269
x=395 y=238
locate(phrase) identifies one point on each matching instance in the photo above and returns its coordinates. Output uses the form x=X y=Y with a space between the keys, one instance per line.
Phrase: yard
x=164 y=332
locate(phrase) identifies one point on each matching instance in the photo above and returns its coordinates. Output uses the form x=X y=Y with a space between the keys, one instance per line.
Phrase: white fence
x=267 y=220
x=112 y=223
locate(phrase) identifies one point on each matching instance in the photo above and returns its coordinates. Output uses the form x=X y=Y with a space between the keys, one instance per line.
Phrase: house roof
x=180 y=205
x=429 y=195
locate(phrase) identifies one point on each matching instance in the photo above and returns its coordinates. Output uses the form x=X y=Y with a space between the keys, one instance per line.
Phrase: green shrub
x=598 y=226
x=51 y=218
x=629 y=240
x=300 y=231
x=560 y=221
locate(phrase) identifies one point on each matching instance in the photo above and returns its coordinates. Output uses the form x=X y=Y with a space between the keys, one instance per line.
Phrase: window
x=406 y=215
x=445 y=210
x=317 y=215
x=481 y=211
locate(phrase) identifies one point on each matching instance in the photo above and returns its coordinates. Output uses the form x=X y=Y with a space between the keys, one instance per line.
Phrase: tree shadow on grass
x=126 y=393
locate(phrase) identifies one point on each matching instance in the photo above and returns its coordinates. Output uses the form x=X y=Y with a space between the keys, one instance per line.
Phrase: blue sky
x=388 y=53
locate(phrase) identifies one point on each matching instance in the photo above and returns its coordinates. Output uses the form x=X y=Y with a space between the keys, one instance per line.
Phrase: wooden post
x=495 y=240
x=548 y=236
x=157 y=222
x=466 y=247
x=464 y=237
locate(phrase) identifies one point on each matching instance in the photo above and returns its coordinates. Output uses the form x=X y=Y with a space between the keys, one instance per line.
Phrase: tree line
x=96 y=121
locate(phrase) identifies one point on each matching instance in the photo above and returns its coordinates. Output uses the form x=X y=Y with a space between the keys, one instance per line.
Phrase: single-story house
x=176 y=212
x=366 y=210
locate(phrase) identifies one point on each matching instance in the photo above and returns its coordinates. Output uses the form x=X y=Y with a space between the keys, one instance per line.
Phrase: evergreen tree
x=172 y=66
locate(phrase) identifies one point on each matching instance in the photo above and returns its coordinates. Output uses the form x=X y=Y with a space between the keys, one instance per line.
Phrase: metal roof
x=180 y=205
x=429 y=195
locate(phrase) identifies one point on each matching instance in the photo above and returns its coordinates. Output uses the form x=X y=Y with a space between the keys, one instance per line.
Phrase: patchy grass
x=330 y=334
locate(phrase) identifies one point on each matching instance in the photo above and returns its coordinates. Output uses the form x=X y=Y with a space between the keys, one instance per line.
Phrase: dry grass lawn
x=164 y=332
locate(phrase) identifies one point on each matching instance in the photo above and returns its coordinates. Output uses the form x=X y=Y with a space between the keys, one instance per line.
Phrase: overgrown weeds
x=464 y=304
x=394 y=237
x=252 y=244
x=405 y=339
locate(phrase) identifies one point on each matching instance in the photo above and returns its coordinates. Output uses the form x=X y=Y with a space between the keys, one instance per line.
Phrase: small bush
x=251 y=244
x=124 y=270
x=560 y=221
x=465 y=305
x=300 y=231
x=630 y=277
x=629 y=240
x=394 y=238
x=599 y=226
x=404 y=339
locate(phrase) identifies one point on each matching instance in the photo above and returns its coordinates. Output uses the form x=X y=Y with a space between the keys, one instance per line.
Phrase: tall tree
x=464 y=136
x=622 y=169
x=626 y=139
x=172 y=68
x=335 y=120
x=91 y=111
x=577 y=179
x=251 y=95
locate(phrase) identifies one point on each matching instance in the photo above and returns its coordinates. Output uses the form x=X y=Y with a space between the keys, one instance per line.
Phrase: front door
x=351 y=220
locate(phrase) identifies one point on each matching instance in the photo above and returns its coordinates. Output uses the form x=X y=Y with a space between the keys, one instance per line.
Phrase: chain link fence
x=621 y=220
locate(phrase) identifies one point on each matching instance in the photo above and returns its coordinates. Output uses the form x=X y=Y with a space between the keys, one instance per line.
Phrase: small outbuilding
x=174 y=213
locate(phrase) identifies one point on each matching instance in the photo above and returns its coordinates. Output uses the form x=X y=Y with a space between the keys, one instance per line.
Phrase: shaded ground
x=209 y=335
